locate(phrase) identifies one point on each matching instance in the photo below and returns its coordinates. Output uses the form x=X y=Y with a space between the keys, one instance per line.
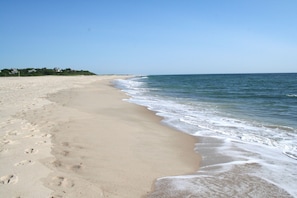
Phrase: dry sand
x=76 y=137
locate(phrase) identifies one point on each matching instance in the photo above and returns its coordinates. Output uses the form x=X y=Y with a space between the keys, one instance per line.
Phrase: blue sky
x=150 y=37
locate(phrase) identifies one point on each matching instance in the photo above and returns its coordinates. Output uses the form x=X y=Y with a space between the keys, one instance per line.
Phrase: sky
x=150 y=36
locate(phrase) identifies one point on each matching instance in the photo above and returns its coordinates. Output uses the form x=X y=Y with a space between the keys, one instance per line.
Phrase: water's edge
x=229 y=167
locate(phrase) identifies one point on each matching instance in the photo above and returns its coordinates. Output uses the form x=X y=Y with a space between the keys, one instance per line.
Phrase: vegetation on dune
x=43 y=72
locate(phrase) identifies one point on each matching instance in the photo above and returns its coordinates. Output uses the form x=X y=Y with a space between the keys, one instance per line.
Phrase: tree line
x=43 y=72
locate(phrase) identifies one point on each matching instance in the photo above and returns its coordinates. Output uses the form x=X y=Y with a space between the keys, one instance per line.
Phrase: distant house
x=14 y=71
x=32 y=70
x=57 y=69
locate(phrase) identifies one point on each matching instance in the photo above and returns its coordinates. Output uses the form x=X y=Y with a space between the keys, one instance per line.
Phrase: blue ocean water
x=255 y=114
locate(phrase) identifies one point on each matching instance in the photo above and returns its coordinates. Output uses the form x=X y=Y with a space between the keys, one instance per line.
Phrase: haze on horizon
x=150 y=37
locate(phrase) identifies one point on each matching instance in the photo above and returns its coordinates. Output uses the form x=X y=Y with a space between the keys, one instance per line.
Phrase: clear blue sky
x=150 y=37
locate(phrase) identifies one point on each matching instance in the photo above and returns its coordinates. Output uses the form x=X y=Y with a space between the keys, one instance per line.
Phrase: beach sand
x=76 y=137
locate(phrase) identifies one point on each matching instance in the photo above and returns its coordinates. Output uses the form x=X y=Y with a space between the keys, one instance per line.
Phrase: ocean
x=246 y=129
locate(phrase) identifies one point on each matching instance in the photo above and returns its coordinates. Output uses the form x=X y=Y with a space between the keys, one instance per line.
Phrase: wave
x=233 y=140
x=291 y=155
x=205 y=119
x=292 y=95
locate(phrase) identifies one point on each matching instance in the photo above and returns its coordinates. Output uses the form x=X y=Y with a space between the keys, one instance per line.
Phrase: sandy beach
x=76 y=137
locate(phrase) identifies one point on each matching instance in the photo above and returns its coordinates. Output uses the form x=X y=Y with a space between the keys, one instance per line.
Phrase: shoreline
x=102 y=145
x=229 y=167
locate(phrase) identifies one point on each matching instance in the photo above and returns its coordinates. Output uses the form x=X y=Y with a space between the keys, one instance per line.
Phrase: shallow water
x=246 y=126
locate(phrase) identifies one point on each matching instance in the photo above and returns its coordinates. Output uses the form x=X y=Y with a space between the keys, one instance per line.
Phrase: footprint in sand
x=7 y=142
x=66 y=144
x=77 y=167
x=56 y=163
x=41 y=142
x=31 y=136
x=46 y=135
x=9 y=121
x=34 y=130
x=65 y=153
x=62 y=181
x=3 y=150
x=38 y=136
x=31 y=151
x=24 y=162
x=13 y=133
x=8 y=179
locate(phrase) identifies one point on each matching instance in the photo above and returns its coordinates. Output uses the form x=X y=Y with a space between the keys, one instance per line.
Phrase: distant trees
x=43 y=72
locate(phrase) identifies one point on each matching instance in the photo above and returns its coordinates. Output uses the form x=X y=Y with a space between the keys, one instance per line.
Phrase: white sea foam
x=203 y=119
x=292 y=95
x=241 y=141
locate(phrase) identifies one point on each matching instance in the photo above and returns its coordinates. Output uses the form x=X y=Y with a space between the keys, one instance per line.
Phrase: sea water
x=246 y=126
